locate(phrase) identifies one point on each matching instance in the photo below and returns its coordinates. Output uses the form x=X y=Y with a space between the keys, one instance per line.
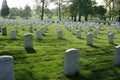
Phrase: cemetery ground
x=46 y=60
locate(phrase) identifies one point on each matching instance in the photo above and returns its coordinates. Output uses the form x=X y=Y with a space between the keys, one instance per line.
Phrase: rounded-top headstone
x=89 y=39
x=117 y=56
x=28 y=40
x=6 y=68
x=71 y=62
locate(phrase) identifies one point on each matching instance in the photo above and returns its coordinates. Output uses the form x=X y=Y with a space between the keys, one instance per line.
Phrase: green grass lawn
x=47 y=63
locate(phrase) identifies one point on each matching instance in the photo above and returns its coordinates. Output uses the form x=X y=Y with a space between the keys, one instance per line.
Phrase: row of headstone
x=59 y=32
x=39 y=33
x=71 y=63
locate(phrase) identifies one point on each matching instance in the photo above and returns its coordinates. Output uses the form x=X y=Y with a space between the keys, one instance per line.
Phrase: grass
x=47 y=60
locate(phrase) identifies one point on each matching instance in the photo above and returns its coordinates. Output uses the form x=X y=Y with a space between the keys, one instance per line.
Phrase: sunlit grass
x=47 y=63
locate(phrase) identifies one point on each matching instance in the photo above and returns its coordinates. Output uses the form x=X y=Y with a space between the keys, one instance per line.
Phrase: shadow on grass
x=28 y=74
x=94 y=46
x=30 y=50
x=77 y=76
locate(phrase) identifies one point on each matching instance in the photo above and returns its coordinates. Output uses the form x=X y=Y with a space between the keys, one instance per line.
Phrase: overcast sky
x=22 y=3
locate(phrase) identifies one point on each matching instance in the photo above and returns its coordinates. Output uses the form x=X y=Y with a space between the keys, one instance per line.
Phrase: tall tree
x=27 y=11
x=5 y=9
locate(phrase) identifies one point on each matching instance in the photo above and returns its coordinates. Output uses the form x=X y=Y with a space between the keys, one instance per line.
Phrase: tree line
x=75 y=10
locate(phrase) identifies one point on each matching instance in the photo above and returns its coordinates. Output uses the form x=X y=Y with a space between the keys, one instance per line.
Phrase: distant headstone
x=35 y=27
x=6 y=68
x=78 y=34
x=60 y=35
x=39 y=34
x=95 y=33
x=23 y=27
x=89 y=39
x=117 y=56
x=4 y=31
x=28 y=40
x=111 y=38
x=71 y=62
x=72 y=30
x=16 y=29
x=31 y=28
x=13 y=34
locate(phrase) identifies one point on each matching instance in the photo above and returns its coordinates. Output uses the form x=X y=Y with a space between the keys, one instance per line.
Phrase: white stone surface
x=78 y=34
x=71 y=61
x=117 y=56
x=60 y=35
x=28 y=40
x=39 y=34
x=6 y=68
x=111 y=38
x=89 y=39
x=95 y=33
x=13 y=34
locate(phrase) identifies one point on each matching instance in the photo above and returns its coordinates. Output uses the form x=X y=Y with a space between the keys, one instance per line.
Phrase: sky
x=22 y=3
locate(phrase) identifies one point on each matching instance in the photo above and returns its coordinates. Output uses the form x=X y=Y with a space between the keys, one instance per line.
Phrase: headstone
x=4 y=31
x=95 y=33
x=31 y=28
x=117 y=56
x=111 y=38
x=6 y=68
x=28 y=40
x=35 y=27
x=13 y=34
x=23 y=28
x=78 y=34
x=16 y=28
x=60 y=36
x=109 y=31
x=72 y=30
x=39 y=34
x=0 y=28
x=89 y=39
x=71 y=62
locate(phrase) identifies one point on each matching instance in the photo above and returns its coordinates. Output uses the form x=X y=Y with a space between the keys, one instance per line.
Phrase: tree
x=27 y=11
x=13 y=12
x=5 y=9
x=99 y=11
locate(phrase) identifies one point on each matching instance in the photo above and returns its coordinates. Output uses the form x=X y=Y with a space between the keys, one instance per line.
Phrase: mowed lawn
x=47 y=60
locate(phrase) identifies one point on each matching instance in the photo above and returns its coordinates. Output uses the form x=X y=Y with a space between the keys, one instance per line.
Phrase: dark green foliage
x=5 y=9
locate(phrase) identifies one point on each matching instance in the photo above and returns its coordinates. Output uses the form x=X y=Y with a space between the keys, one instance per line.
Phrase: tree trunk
x=59 y=12
x=86 y=18
x=72 y=17
x=75 y=17
x=79 y=17
x=42 y=10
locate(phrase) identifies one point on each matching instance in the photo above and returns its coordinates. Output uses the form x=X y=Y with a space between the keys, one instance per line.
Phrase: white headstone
x=31 y=28
x=117 y=56
x=39 y=34
x=28 y=40
x=71 y=62
x=111 y=38
x=95 y=33
x=60 y=36
x=6 y=68
x=13 y=34
x=89 y=39
x=78 y=34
